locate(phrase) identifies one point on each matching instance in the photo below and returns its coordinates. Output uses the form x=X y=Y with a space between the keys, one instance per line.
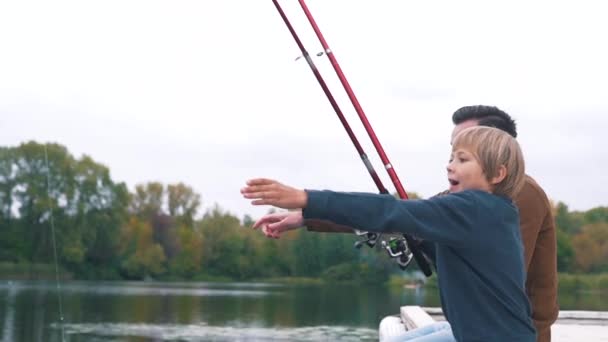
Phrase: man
x=536 y=224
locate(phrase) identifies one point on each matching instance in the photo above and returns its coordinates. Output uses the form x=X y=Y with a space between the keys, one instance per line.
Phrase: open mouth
x=453 y=182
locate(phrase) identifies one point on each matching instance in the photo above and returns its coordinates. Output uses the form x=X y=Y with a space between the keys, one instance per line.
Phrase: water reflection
x=7 y=330
x=151 y=289
x=222 y=333
x=134 y=311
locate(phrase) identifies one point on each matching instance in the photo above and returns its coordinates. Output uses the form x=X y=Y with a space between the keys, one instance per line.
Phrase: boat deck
x=589 y=326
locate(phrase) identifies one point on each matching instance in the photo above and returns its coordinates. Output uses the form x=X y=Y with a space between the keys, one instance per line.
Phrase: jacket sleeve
x=532 y=213
x=321 y=226
x=540 y=251
x=446 y=219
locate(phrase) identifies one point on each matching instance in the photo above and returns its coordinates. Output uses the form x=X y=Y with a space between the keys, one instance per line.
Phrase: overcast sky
x=209 y=93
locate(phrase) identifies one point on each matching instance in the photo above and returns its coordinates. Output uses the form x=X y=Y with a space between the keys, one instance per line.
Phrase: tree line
x=54 y=206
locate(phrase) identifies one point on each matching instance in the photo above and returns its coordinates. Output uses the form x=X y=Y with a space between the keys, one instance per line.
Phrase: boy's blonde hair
x=493 y=148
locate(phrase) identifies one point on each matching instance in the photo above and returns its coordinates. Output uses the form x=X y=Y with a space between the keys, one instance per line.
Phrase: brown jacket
x=540 y=253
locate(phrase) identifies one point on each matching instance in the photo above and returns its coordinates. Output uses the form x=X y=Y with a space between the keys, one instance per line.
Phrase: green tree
x=40 y=188
x=222 y=242
x=335 y=249
x=565 y=252
x=141 y=256
x=11 y=242
x=183 y=203
x=147 y=200
x=596 y=215
x=100 y=210
x=565 y=221
x=188 y=260
x=248 y=221
x=305 y=254
x=591 y=248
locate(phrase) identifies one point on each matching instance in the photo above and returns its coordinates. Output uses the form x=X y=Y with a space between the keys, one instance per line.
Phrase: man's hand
x=273 y=225
x=270 y=192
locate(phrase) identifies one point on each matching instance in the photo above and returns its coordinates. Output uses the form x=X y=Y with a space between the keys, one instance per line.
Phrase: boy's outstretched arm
x=448 y=219
x=451 y=220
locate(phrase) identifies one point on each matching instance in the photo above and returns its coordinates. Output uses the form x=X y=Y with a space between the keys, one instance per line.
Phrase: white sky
x=208 y=92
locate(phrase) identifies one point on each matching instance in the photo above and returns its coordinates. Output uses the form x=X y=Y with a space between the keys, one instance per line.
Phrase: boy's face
x=465 y=173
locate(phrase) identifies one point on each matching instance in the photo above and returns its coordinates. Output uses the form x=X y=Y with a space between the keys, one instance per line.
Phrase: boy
x=479 y=255
x=536 y=224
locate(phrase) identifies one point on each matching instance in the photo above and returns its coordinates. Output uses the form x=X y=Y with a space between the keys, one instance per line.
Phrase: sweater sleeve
x=447 y=219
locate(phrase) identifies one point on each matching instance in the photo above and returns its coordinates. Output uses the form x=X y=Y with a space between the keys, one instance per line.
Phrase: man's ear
x=501 y=173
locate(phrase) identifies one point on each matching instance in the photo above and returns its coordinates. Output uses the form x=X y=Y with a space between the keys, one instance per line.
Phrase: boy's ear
x=501 y=173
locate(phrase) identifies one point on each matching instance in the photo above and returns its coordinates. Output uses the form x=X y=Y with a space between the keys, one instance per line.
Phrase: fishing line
x=52 y=223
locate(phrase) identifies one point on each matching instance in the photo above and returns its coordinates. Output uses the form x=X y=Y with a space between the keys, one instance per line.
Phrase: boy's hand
x=270 y=192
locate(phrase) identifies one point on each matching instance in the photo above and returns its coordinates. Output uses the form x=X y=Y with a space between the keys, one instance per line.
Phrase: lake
x=185 y=311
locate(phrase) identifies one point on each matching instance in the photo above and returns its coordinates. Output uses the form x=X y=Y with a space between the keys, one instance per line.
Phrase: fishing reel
x=368 y=238
x=398 y=249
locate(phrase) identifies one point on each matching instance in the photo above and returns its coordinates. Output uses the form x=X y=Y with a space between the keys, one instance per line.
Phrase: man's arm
x=540 y=246
x=321 y=226
x=532 y=212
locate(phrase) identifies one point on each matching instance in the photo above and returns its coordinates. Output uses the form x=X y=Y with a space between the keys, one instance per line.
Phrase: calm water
x=134 y=311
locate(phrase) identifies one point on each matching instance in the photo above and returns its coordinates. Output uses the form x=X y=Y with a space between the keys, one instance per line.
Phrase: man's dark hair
x=486 y=116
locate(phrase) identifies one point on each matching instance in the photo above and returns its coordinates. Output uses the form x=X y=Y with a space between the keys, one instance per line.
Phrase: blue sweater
x=478 y=253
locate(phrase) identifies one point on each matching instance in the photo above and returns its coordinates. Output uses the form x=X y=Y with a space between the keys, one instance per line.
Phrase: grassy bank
x=583 y=282
x=30 y=271
x=408 y=279
x=568 y=282
x=293 y=280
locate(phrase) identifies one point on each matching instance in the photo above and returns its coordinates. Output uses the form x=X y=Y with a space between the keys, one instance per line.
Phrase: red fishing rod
x=395 y=249
x=334 y=104
x=355 y=102
x=370 y=237
x=412 y=242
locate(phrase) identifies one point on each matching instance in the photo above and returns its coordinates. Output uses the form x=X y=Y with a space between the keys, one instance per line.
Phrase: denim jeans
x=436 y=332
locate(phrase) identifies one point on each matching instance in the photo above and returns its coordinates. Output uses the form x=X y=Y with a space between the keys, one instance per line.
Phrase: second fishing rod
x=411 y=243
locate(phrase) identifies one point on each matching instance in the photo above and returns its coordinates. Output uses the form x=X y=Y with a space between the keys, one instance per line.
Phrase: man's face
x=461 y=126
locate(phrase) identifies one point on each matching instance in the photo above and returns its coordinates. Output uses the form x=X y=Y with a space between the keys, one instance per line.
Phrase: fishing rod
x=334 y=104
x=370 y=237
x=351 y=95
x=402 y=249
